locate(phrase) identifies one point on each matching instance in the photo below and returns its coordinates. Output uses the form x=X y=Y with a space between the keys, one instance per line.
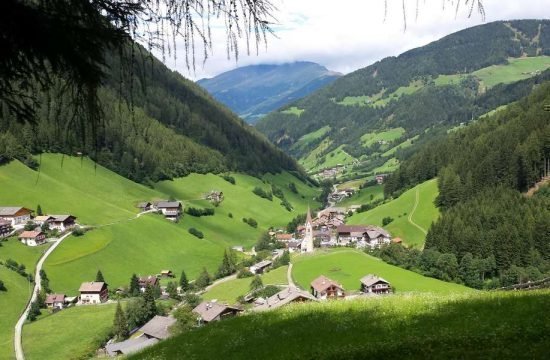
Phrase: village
x=326 y=229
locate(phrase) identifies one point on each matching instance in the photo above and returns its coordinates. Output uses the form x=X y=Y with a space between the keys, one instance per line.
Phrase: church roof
x=308 y=217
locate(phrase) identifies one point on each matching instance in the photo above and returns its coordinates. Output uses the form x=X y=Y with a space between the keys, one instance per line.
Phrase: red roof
x=30 y=234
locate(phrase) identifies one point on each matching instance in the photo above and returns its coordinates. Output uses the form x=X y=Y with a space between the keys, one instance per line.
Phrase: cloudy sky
x=346 y=35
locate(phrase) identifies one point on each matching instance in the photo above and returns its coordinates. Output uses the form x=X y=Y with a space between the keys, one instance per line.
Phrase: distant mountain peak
x=254 y=90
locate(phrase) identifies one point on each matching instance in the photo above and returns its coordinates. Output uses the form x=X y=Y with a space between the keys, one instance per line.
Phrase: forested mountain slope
x=441 y=85
x=157 y=125
x=482 y=171
x=255 y=90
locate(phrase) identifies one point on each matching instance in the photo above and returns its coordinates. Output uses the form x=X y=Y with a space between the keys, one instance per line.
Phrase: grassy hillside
x=120 y=246
x=474 y=326
x=73 y=333
x=412 y=213
x=73 y=185
x=348 y=266
x=363 y=196
x=12 y=303
x=229 y=291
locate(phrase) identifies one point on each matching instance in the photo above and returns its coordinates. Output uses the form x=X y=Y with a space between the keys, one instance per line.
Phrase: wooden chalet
x=209 y=311
x=372 y=284
x=145 y=281
x=282 y=298
x=16 y=215
x=55 y=301
x=62 y=222
x=5 y=228
x=94 y=292
x=324 y=288
x=32 y=238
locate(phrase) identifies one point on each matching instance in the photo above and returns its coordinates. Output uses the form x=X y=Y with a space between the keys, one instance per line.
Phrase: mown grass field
x=348 y=266
x=400 y=210
x=335 y=157
x=150 y=243
x=309 y=138
x=471 y=326
x=74 y=333
x=405 y=144
x=12 y=304
x=363 y=196
x=388 y=135
x=229 y=291
x=293 y=111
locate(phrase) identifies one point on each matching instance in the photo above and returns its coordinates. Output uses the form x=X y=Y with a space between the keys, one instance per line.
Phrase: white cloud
x=350 y=34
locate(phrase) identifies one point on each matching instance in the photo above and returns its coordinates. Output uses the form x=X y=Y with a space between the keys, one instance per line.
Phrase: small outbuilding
x=260 y=267
x=55 y=301
x=209 y=311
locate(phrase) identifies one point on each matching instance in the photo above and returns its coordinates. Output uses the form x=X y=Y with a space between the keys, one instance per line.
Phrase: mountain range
x=255 y=90
x=371 y=115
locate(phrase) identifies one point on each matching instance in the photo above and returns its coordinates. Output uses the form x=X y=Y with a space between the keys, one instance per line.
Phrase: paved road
x=289 y=276
x=37 y=286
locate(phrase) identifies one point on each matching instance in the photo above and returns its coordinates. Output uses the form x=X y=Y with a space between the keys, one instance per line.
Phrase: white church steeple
x=307 y=243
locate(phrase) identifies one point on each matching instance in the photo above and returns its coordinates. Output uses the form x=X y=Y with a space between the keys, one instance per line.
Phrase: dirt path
x=220 y=281
x=537 y=186
x=417 y=199
x=289 y=276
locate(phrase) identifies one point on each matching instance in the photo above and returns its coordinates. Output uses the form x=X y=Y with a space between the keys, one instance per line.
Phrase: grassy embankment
x=348 y=266
x=412 y=213
x=469 y=326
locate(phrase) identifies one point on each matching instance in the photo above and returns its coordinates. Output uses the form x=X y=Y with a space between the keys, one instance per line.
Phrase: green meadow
x=483 y=325
x=72 y=185
x=229 y=291
x=363 y=196
x=74 y=333
x=310 y=137
x=411 y=217
x=389 y=135
x=293 y=111
x=314 y=162
x=348 y=266
x=121 y=245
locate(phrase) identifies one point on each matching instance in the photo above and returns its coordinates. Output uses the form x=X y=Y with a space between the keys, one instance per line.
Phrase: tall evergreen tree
x=120 y=324
x=99 y=276
x=133 y=290
x=204 y=279
x=39 y=210
x=150 y=305
x=184 y=283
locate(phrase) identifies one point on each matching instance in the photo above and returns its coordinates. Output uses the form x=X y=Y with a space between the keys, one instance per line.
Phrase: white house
x=15 y=214
x=363 y=236
x=94 y=292
x=372 y=284
x=32 y=238
x=170 y=209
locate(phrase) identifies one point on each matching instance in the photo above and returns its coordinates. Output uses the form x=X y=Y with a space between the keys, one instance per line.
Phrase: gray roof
x=208 y=310
x=284 y=297
x=168 y=204
x=94 y=286
x=62 y=218
x=371 y=279
x=263 y=264
x=130 y=346
x=10 y=210
x=158 y=327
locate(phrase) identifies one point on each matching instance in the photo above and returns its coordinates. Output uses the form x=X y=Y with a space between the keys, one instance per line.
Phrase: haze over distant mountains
x=255 y=90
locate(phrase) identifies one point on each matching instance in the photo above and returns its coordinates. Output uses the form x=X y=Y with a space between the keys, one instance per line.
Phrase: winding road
x=18 y=342
x=417 y=199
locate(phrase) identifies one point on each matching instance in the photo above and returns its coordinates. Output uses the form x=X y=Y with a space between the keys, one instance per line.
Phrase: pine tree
x=204 y=279
x=99 y=277
x=150 y=306
x=172 y=290
x=39 y=210
x=120 y=324
x=256 y=283
x=227 y=267
x=184 y=283
x=133 y=290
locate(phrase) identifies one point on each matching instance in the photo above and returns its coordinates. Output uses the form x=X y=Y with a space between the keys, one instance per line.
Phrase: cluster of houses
x=15 y=218
x=329 y=230
x=172 y=210
x=331 y=172
x=214 y=196
x=339 y=195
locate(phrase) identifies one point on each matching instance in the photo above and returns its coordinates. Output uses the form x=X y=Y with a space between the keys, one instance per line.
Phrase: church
x=307 y=242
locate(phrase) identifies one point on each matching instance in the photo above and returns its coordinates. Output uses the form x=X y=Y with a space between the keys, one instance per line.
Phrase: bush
x=78 y=231
x=262 y=193
x=196 y=233
x=293 y=188
x=229 y=179
x=267 y=291
x=199 y=212
x=230 y=215
x=387 y=220
x=244 y=273
x=253 y=223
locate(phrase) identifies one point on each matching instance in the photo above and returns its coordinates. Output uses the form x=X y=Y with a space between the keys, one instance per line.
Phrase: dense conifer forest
x=156 y=125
